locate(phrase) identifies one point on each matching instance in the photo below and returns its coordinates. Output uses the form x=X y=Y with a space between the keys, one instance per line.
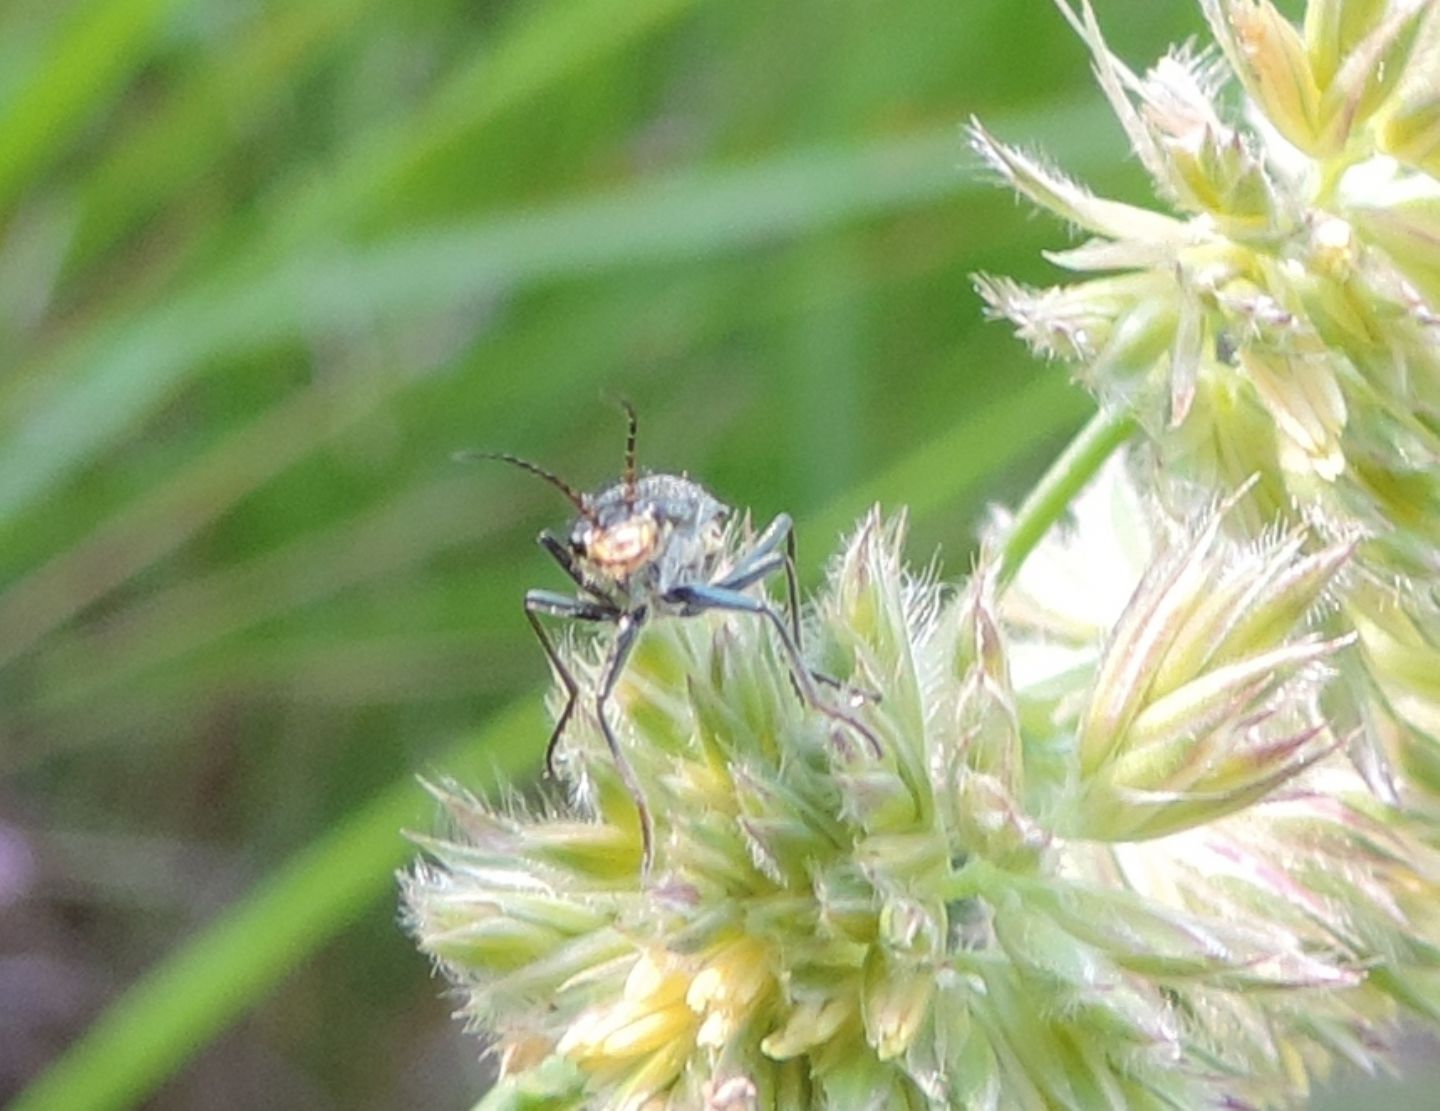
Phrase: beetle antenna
x=630 y=452
x=574 y=496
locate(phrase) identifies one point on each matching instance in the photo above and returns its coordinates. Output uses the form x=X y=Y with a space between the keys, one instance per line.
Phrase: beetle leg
x=792 y=586
x=627 y=632
x=764 y=558
x=711 y=597
x=561 y=555
x=559 y=605
x=751 y=570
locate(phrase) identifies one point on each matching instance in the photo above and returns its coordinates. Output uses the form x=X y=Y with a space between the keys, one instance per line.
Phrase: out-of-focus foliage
x=264 y=265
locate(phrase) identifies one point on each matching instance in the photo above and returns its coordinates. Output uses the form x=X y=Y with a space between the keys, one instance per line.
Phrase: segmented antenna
x=630 y=452
x=576 y=498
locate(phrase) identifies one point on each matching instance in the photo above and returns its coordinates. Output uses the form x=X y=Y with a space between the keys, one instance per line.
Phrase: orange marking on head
x=621 y=548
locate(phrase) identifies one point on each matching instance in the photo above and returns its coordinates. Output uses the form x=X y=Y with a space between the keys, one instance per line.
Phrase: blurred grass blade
x=176 y=508
x=164 y=153
x=952 y=468
x=547 y=44
x=199 y=989
x=100 y=45
x=86 y=400
x=202 y=986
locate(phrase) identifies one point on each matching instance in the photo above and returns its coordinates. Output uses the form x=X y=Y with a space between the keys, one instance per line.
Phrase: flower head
x=1275 y=327
x=1005 y=907
x=1137 y=828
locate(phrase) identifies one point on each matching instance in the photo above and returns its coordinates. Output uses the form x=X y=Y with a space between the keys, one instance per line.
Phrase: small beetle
x=655 y=545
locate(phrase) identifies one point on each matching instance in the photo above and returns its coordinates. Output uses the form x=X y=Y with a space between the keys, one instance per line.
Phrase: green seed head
x=1000 y=907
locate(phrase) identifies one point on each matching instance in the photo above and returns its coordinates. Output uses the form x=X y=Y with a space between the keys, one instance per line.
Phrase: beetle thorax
x=640 y=540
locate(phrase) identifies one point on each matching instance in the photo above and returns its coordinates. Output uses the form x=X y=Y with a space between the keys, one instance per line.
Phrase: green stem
x=1067 y=475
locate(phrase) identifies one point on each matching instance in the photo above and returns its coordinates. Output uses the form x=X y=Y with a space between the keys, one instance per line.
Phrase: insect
x=655 y=545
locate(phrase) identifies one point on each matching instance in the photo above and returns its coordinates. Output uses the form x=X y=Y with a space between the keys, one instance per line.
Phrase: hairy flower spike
x=1148 y=817
x=1002 y=906
x=1283 y=319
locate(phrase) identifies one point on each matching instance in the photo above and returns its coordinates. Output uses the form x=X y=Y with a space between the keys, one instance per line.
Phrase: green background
x=264 y=265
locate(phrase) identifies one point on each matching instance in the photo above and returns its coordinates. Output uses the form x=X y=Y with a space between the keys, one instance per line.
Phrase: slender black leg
x=766 y=545
x=762 y=562
x=703 y=597
x=792 y=588
x=627 y=632
x=764 y=558
x=558 y=605
x=561 y=555
x=752 y=572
